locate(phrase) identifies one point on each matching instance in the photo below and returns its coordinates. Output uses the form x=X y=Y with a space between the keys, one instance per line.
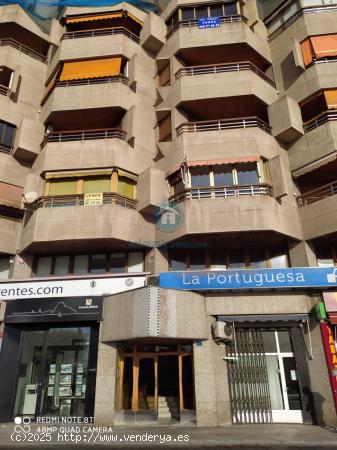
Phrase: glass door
x=53 y=372
x=282 y=377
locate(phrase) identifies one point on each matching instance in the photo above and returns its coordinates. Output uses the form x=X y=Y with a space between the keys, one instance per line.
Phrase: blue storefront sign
x=208 y=22
x=297 y=277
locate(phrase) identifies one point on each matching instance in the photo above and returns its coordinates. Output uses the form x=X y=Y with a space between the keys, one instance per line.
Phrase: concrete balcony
x=63 y=220
x=318 y=211
x=222 y=80
x=10 y=231
x=91 y=148
x=318 y=143
x=233 y=30
x=232 y=209
x=85 y=94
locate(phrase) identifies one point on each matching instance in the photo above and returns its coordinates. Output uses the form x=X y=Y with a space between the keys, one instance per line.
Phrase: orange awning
x=93 y=68
x=307 y=52
x=331 y=98
x=216 y=162
x=325 y=45
x=89 y=18
x=112 y=15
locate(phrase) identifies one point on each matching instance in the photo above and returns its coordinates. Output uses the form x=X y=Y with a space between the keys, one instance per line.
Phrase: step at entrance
x=164 y=413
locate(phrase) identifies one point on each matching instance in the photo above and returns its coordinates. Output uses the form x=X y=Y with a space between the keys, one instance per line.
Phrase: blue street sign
x=208 y=22
x=296 y=277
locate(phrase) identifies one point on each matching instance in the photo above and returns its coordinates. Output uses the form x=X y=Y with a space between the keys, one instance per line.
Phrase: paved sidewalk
x=244 y=437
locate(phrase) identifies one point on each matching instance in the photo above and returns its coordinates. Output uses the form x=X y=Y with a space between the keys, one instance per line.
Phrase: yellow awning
x=94 y=68
x=331 y=98
x=78 y=173
x=89 y=18
x=122 y=173
x=135 y=19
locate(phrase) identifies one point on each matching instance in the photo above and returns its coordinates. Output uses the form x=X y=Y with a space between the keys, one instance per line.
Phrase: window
x=165 y=129
x=200 y=176
x=236 y=258
x=187 y=14
x=326 y=255
x=197 y=260
x=215 y=11
x=223 y=175
x=4 y=267
x=319 y=47
x=98 y=184
x=176 y=183
x=218 y=258
x=178 y=260
x=97 y=263
x=277 y=258
x=63 y=186
x=201 y=12
x=7 y=132
x=126 y=187
x=164 y=77
x=230 y=9
x=247 y=174
x=257 y=257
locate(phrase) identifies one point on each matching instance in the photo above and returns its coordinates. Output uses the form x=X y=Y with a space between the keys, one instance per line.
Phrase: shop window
x=200 y=177
x=326 y=256
x=98 y=263
x=223 y=175
x=247 y=174
x=7 y=132
x=81 y=264
x=269 y=341
x=4 y=267
x=218 y=259
x=97 y=184
x=44 y=266
x=63 y=186
x=284 y=341
x=61 y=265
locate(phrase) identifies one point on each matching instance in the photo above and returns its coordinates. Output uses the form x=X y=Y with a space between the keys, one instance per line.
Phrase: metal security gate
x=248 y=378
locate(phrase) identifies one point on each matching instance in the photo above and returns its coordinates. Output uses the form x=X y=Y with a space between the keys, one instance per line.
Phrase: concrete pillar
x=22 y=266
x=156 y=260
x=105 y=384
x=211 y=382
x=302 y=254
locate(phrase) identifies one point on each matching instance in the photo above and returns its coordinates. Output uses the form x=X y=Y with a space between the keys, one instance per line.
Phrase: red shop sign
x=331 y=357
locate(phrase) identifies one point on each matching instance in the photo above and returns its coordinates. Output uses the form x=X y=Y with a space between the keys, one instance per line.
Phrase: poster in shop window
x=331 y=357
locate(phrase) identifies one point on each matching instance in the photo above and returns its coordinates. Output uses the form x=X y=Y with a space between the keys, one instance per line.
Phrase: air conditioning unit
x=222 y=331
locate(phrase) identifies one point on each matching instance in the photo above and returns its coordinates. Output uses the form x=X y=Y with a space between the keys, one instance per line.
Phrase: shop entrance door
x=54 y=376
x=282 y=377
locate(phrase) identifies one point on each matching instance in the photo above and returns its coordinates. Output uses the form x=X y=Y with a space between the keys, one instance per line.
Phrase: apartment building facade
x=141 y=153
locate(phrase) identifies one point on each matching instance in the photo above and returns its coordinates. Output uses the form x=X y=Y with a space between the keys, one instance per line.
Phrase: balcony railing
x=89 y=81
x=101 y=32
x=222 y=68
x=194 y=23
x=83 y=135
x=5 y=149
x=317 y=194
x=223 y=124
x=326 y=116
x=23 y=49
x=57 y=201
x=4 y=90
x=221 y=192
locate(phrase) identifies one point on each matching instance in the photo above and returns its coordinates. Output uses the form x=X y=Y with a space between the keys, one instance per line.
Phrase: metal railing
x=223 y=124
x=83 y=135
x=5 y=149
x=57 y=201
x=222 y=68
x=101 y=32
x=324 y=117
x=221 y=192
x=194 y=23
x=89 y=81
x=23 y=49
x=4 y=90
x=317 y=194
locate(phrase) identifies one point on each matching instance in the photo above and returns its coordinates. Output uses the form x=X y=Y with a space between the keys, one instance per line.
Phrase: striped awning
x=109 y=15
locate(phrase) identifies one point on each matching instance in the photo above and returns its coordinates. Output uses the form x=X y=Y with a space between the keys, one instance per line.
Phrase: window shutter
x=15 y=80
x=96 y=184
x=297 y=53
x=277 y=174
x=63 y=186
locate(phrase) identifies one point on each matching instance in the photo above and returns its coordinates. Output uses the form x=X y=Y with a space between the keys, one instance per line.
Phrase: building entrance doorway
x=157 y=380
